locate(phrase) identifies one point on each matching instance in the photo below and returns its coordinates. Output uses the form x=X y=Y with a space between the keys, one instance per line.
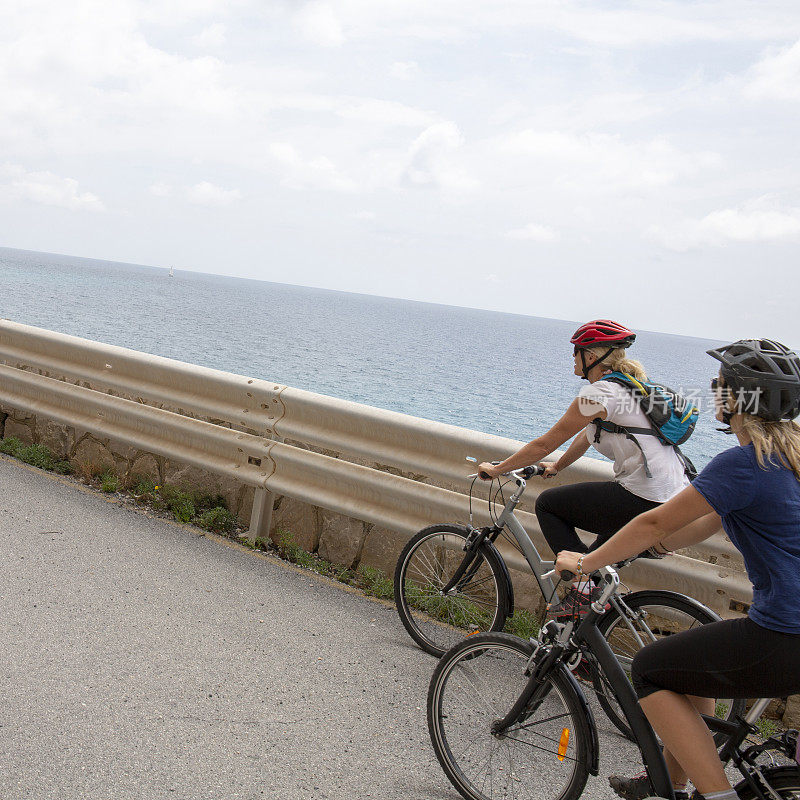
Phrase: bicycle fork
x=468 y=567
x=534 y=693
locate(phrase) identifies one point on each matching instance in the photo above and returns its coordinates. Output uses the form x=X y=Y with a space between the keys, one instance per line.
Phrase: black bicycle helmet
x=764 y=377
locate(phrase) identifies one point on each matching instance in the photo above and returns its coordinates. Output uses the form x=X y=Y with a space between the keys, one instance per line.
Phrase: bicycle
x=507 y=719
x=451 y=580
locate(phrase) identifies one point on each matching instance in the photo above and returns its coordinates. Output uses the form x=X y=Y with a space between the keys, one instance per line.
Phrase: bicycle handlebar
x=522 y=472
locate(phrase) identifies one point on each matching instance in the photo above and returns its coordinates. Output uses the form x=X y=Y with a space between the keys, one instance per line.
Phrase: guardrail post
x=261 y=516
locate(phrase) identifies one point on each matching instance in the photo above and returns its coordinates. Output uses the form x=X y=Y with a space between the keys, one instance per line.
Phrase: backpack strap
x=602 y=425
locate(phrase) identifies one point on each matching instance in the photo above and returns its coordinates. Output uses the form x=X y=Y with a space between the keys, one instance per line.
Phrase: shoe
x=574 y=602
x=638 y=787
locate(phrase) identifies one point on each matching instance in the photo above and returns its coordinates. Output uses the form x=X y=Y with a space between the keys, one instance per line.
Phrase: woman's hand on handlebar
x=550 y=470
x=567 y=561
x=488 y=471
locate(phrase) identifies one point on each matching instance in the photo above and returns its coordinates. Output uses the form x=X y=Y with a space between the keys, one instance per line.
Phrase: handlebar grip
x=566 y=575
x=529 y=472
x=484 y=476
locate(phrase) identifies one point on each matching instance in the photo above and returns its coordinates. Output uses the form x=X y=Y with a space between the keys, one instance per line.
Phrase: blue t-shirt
x=760 y=511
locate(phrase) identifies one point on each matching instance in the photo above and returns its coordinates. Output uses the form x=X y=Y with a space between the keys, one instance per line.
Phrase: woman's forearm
x=580 y=444
x=635 y=537
x=529 y=454
x=684 y=520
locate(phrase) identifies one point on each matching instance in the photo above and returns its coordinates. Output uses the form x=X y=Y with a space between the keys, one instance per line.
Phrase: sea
x=504 y=374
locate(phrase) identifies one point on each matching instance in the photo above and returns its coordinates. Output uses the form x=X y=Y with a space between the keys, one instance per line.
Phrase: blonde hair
x=775 y=442
x=618 y=361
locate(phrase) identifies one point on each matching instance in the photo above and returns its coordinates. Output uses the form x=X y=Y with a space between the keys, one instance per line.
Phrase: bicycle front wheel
x=546 y=754
x=435 y=620
x=653 y=614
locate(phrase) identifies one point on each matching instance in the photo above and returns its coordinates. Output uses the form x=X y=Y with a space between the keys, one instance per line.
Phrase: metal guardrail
x=116 y=393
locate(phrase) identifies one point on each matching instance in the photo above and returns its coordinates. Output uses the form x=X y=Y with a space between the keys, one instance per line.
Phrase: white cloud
x=643 y=24
x=382 y=112
x=161 y=189
x=605 y=162
x=777 y=76
x=404 y=70
x=211 y=37
x=533 y=232
x=309 y=173
x=46 y=189
x=319 y=24
x=432 y=159
x=761 y=221
x=366 y=216
x=207 y=194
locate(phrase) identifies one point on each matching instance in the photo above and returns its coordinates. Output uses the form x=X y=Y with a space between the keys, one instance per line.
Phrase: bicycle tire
x=784 y=780
x=475 y=684
x=673 y=611
x=425 y=566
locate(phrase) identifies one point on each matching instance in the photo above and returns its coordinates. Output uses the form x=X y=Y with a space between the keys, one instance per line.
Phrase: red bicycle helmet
x=599 y=333
x=603 y=332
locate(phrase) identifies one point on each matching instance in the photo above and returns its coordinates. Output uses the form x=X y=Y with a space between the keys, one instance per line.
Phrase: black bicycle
x=451 y=581
x=507 y=719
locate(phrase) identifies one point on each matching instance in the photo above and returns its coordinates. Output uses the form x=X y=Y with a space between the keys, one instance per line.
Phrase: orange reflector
x=472 y=633
x=563 y=743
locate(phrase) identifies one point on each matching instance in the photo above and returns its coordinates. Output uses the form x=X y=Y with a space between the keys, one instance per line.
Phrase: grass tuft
x=217 y=519
x=523 y=623
x=10 y=446
x=375 y=583
x=37 y=455
x=109 y=482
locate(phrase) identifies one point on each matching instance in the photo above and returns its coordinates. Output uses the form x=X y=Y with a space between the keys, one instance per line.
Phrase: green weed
x=144 y=488
x=523 y=624
x=767 y=727
x=109 y=482
x=203 y=501
x=182 y=507
x=375 y=583
x=10 y=446
x=37 y=455
x=217 y=519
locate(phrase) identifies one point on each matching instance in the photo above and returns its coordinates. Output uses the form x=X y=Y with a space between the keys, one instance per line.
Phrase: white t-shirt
x=623 y=409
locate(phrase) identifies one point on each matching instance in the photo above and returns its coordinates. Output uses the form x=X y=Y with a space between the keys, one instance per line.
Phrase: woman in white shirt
x=646 y=472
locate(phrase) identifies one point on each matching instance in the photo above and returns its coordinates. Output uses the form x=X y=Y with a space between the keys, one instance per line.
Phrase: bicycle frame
x=744 y=760
x=539 y=567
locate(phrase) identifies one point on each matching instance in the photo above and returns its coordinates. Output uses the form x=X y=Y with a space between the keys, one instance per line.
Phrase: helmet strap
x=727 y=416
x=586 y=370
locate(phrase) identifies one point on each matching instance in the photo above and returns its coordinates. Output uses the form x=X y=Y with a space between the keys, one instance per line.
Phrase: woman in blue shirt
x=753 y=490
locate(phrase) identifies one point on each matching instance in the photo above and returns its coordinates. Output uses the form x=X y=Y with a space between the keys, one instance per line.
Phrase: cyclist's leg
x=600 y=507
x=732 y=658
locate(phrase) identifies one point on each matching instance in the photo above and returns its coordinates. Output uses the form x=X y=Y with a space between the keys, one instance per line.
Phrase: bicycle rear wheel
x=784 y=781
x=655 y=614
x=544 y=755
x=479 y=602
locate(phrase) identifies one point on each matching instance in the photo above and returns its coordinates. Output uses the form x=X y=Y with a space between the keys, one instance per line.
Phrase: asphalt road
x=142 y=659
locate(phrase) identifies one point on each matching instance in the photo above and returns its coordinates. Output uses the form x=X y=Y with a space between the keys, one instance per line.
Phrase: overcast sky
x=636 y=160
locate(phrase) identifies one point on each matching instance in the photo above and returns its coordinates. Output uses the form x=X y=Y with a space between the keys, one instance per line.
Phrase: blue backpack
x=671 y=416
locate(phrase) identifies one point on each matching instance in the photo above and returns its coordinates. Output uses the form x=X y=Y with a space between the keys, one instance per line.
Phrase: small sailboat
x=171 y=272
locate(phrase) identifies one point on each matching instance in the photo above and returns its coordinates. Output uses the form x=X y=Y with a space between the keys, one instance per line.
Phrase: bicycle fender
x=506 y=575
x=594 y=742
x=653 y=596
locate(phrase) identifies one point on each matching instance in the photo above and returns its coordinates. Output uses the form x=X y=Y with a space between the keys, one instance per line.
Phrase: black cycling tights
x=735 y=658
x=601 y=507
